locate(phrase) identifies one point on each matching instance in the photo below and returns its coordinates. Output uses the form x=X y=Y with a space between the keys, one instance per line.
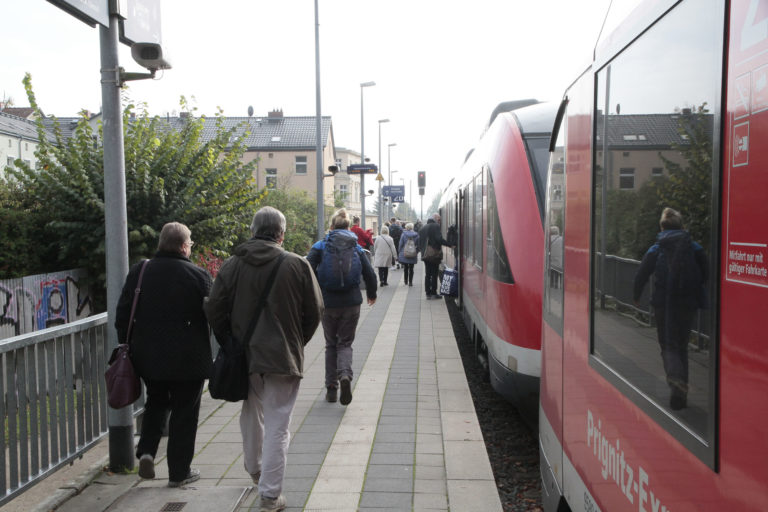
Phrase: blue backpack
x=340 y=268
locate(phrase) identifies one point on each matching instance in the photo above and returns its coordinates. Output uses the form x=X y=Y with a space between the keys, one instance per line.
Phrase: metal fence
x=53 y=403
x=618 y=285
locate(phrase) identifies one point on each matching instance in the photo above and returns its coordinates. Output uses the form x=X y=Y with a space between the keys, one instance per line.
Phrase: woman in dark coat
x=170 y=349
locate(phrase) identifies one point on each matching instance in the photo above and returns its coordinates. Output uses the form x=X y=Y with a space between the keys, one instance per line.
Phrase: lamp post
x=381 y=204
x=362 y=153
x=318 y=134
x=389 y=161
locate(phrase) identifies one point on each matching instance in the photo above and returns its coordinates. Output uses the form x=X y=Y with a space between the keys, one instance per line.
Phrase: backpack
x=683 y=275
x=340 y=267
x=410 y=250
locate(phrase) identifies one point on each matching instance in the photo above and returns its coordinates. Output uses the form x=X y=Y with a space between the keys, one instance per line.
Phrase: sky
x=440 y=66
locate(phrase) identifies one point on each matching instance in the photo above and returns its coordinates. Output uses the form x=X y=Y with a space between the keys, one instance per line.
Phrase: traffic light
x=422 y=179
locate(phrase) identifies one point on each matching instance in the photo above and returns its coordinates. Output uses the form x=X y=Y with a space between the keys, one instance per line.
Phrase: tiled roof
x=15 y=126
x=23 y=112
x=648 y=130
x=268 y=133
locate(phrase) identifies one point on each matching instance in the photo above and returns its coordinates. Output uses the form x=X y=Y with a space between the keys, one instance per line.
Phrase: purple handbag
x=123 y=385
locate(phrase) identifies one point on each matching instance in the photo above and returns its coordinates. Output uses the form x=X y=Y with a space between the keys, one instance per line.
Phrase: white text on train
x=615 y=467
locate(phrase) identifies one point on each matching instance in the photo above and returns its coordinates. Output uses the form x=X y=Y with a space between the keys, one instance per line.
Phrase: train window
x=496 y=253
x=477 y=220
x=653 y=307
x=538 y=151
x=555 y=224
x=468 y=244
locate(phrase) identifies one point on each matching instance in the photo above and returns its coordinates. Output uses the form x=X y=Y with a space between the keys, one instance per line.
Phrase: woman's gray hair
x=173 y=236
x=385 y=230
x=409 y=226
x=269 y=222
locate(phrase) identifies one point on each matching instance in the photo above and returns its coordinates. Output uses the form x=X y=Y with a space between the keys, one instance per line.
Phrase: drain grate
x=173 y=506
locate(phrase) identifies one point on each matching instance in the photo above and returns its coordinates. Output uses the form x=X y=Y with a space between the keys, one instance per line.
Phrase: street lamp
x=377 y=177
x=362 y=154
x=389 y=161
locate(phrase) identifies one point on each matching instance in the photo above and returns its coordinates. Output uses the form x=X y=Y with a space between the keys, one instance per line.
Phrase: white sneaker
x=272 y=504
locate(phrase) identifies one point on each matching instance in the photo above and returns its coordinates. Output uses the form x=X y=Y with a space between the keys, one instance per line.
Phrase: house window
x=271 y=155
x=10 y=161
x=626 y=178
x=625 y=153
x=301 y=165
x=657 y=172
x=271 y=178
x=343 y=192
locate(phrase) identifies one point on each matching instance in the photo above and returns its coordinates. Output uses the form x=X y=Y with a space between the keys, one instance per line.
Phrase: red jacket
x=364 y=240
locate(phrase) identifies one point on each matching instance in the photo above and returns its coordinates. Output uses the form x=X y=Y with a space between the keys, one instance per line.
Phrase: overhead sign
x=88 y=11
x=142 y=22
x=362 y=169
x=395 y=192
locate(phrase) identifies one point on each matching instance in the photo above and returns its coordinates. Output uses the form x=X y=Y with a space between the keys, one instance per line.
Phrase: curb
x=73 y=487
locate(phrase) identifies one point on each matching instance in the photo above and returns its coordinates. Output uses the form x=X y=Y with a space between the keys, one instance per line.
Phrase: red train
x=497 y=203
x=643 y=408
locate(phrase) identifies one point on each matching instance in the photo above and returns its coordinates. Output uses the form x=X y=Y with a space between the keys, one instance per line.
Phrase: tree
x=171 y=175
x=300 y=217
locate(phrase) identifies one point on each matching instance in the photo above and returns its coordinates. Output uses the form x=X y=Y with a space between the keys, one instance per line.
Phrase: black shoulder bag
x=229 y=378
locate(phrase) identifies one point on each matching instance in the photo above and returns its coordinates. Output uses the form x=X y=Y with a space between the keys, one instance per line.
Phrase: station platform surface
x=409 y=440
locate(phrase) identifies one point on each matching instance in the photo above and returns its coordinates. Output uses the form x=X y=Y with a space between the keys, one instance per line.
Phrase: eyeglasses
x=190 y=243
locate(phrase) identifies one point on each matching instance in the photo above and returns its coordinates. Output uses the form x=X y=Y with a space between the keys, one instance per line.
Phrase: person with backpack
x=408 y=252
x=679 y=267
x=339 y=263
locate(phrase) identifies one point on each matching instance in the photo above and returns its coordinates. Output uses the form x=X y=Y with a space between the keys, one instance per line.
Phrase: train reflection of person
x=679 y=266
x=555 y=257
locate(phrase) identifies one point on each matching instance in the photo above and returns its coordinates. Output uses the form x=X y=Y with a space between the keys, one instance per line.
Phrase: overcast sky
x=440 y=66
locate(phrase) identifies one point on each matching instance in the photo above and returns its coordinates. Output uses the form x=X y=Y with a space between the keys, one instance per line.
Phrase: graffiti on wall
x=36 y=302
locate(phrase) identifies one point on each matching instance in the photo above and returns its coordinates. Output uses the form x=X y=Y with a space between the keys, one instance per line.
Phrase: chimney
x=184 y=115
x=276 y=114
x=686 y=111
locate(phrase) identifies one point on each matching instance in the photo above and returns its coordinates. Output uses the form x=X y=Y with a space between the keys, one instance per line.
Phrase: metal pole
x=410 y=195
x=362 y=161
x=120 y=421
x=318 y=134
x=379 y=162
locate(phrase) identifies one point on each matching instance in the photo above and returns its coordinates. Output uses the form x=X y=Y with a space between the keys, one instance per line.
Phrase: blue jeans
x=339 y=325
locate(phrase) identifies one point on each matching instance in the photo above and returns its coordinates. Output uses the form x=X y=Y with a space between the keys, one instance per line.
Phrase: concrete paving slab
x=195 y=499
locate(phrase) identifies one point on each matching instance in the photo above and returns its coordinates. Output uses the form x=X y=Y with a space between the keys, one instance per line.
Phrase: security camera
x=333 y=169
x=149 y=55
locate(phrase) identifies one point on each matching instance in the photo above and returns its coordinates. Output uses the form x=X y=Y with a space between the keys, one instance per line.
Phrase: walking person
x=408 y=252
x=384 y=255
x=170 y=350
x=431 y=236
x=340 y=263
x=275 y=351
x=364 y=238
x=395 y=231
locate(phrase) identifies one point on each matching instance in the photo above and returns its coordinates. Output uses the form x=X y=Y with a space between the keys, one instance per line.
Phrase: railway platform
x=410 y=439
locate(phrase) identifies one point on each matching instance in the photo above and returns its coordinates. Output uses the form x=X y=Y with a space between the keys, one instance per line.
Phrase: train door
x=551 y=393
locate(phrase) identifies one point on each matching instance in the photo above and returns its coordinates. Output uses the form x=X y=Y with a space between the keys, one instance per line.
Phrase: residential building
x=18 y=140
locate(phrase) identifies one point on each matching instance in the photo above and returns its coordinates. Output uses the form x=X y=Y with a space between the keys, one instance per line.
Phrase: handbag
x=229 y=377
x=123 y=384
x=450 y=284
x=432 y=255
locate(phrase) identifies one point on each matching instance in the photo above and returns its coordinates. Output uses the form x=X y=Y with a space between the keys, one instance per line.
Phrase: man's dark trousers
x=430 y=277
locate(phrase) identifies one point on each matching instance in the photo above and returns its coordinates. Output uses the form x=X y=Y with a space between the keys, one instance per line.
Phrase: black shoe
x=437 y=297
x=147 y=467
x=192 y=476
x=677 y=402
x=346 y=391
x=410 y=284
x=330 y=395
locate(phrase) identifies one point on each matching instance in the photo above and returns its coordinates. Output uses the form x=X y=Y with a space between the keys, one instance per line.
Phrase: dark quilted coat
x=170 y=339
